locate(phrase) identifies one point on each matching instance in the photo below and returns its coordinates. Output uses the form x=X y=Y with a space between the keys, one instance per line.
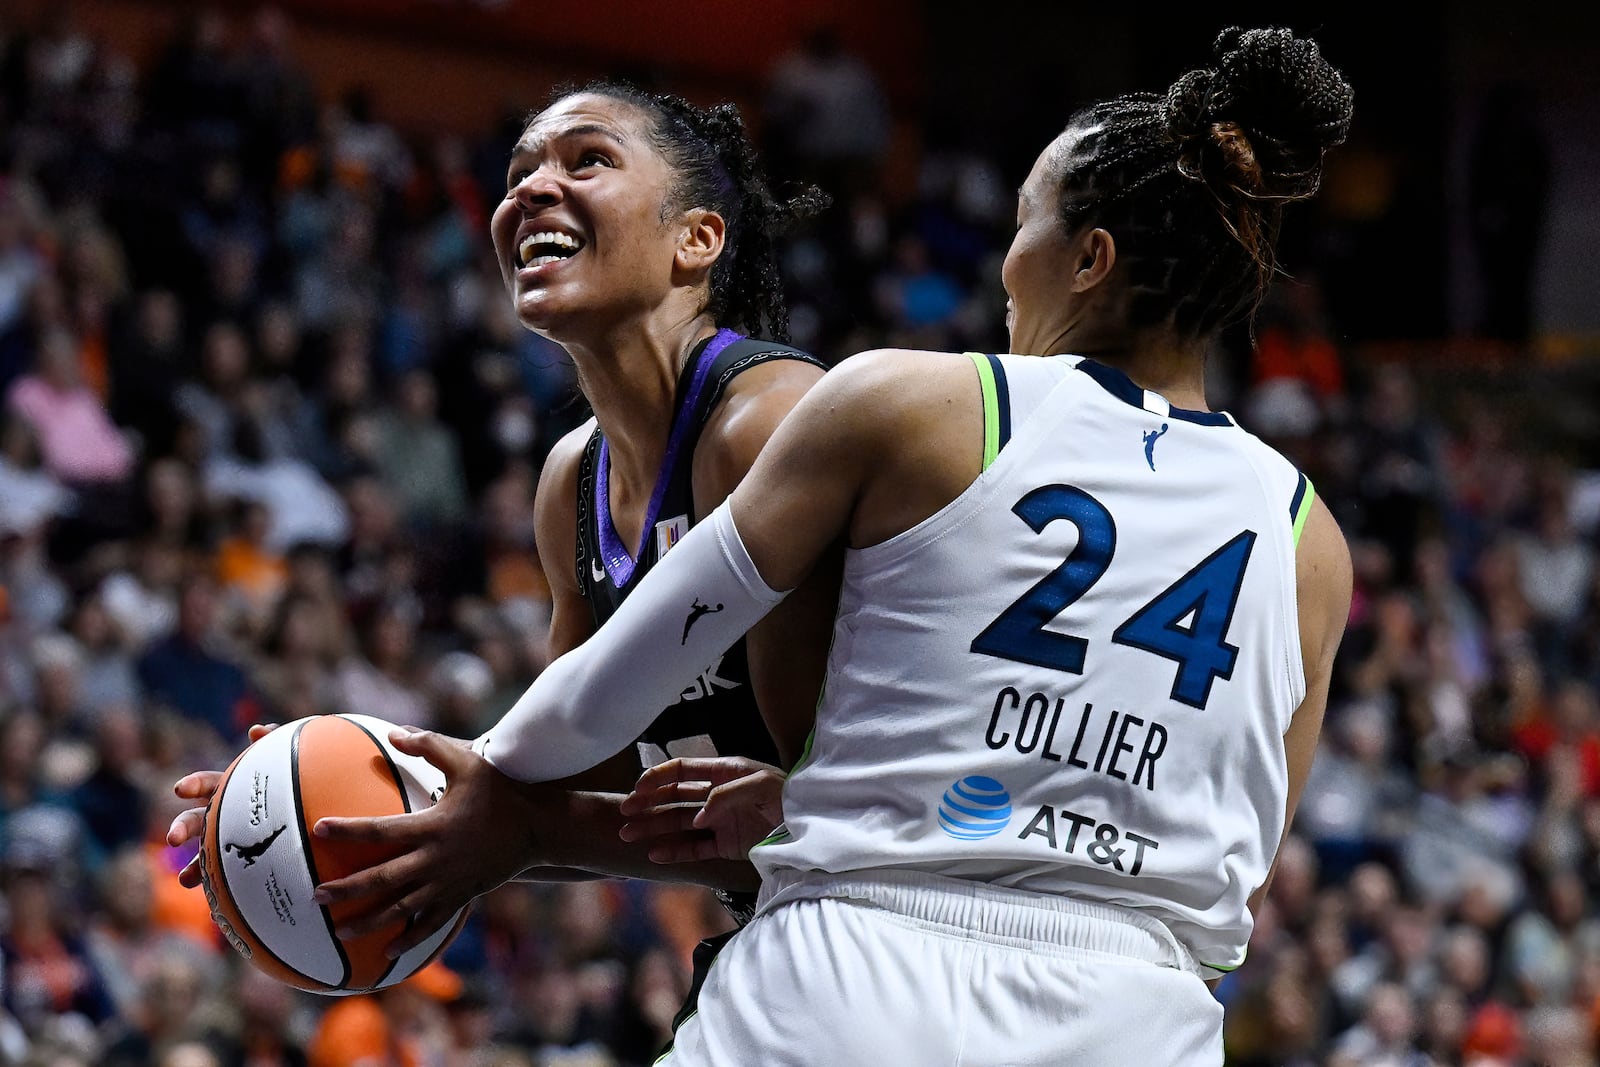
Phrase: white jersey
x=1076 y=677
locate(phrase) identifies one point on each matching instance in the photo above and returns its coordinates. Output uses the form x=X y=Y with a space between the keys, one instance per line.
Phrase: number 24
x=1206 y=595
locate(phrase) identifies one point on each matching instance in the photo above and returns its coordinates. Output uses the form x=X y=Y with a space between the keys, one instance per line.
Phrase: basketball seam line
x=311 y=859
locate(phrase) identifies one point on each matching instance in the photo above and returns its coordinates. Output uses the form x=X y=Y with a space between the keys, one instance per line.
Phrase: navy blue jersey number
x=1186 y=623
x=1189 y=622
x=1019 y=633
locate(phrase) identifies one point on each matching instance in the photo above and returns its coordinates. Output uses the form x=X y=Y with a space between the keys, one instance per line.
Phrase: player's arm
x=787 y=653
x=690 y=809
x=788 y=650
x=1323 y=578
x=797 y=503
x=489 y=828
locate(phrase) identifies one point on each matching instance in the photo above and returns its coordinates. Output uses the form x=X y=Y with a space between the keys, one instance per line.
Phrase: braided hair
x=1192 y=185
x=716 y=168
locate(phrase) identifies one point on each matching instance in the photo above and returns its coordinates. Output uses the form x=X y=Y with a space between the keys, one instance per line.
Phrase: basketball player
x=1084 y=638
x=637 y=231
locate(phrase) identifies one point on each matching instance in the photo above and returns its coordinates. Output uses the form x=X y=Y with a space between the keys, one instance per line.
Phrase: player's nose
x=538 y=189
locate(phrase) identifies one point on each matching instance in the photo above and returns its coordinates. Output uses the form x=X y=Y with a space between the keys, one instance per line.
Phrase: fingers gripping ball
x=259 y=861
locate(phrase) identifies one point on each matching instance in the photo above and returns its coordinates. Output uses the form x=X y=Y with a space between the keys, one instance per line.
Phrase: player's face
x=1040 y=262
x=582 y=237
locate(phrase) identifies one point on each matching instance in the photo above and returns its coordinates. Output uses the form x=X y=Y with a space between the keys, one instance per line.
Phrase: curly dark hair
x=1192 y=185
x=717 y=168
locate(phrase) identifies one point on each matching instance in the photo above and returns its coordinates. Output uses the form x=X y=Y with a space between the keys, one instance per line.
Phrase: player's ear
x=1095 y=255
x=704 y=232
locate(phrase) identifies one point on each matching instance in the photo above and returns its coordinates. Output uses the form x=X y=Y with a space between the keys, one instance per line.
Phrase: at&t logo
x=974 y=808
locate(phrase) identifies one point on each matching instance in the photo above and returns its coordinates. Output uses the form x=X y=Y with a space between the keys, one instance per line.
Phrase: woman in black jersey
x=637 y=230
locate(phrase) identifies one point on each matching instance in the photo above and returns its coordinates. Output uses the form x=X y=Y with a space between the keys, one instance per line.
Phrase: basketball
x=260 y=863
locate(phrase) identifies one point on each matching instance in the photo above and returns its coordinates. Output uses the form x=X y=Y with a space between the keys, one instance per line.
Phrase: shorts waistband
x=988 y=912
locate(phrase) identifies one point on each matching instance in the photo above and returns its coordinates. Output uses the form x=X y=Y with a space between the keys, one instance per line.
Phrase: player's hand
x=703 y=808
x=477 y=836
x=192 y=823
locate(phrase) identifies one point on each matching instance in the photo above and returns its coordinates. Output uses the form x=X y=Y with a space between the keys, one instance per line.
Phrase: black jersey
x=717 y=715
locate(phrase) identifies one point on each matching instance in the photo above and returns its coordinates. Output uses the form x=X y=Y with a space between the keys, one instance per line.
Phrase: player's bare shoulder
x=919 y=417
x=753 y=406
x=555 y=505
x=1324 y=577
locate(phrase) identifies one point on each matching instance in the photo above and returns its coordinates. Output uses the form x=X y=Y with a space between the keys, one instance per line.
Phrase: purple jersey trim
x=619 y=564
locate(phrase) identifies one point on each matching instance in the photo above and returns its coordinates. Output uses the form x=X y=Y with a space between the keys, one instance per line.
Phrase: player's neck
x=1155 y=360
x=630 y=376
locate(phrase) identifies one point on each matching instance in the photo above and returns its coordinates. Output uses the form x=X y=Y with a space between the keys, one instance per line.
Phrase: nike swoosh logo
x=597 y=570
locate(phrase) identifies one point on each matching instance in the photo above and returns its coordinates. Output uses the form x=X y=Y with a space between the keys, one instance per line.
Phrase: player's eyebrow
x=533 y=144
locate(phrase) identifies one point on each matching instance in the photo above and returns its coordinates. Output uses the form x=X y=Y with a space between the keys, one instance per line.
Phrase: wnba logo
x=975 y=808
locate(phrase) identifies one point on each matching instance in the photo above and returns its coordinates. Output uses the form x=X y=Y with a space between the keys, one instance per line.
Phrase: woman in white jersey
x=1083 y=642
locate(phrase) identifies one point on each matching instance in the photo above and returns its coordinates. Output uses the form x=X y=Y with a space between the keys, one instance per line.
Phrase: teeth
x=525 y=250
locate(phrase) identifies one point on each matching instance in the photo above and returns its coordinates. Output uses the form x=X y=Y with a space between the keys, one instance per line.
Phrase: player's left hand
x=476 y=837
x=703 y=808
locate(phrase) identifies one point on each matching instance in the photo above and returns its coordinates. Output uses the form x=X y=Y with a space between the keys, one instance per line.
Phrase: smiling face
x=585 y=235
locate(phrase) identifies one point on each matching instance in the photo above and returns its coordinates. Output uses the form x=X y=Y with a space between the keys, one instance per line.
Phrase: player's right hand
x=703 y=808
x=192 y=823
x=479 y=834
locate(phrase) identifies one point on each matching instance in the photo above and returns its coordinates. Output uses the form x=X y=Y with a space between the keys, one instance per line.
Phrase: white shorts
x=898 y=969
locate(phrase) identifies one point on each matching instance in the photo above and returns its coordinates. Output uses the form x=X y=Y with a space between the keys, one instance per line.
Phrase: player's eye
x=594 y=159
x=516 y=178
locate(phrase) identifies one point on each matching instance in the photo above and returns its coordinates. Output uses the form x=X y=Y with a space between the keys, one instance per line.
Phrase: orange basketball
x=259 y=862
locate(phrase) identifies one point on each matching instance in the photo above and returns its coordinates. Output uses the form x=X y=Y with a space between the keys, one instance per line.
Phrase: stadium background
x=242 y=257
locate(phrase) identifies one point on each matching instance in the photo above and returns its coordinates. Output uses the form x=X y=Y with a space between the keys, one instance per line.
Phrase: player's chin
x=538 y=309
x=558 y=312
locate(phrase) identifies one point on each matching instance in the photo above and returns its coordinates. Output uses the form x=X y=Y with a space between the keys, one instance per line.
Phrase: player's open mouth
x=547 y=246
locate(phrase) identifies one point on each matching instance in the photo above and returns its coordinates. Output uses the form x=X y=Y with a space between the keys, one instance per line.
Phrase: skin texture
x=629 y=307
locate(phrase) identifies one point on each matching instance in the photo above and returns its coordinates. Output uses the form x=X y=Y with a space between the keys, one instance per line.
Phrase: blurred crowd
x=268 y=439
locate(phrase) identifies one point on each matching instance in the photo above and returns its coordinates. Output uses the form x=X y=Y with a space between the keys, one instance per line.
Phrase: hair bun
x=1289 y=102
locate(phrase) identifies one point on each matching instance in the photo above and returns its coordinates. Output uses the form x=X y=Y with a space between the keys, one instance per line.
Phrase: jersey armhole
x=996 y=405
x=1305 y=494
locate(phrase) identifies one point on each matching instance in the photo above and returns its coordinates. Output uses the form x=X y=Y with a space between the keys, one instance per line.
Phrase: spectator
x=112 y=801
x=1353 y=795
x=418 y=456
x=30 y=496
x=825 y=107
x=47 y=965
x=124 y=942
x=76 y=436
x=166 y=1019
x=382 y=683
x=146 y=357
x=1385 y=1037
x=106 y=675
x=246 y=565
x=187 y=672
x=21 y=268
x=295 y=674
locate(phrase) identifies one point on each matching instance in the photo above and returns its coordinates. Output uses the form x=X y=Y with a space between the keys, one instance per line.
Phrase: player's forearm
x=584 y=843
x=596 y=699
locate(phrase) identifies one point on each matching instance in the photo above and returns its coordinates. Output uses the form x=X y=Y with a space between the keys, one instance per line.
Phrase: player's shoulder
x=889 y=387
x=903 y=367
x=558 y=478
x=764 y=390
x=750 y=409
x=1322 y=558
x=564 y=456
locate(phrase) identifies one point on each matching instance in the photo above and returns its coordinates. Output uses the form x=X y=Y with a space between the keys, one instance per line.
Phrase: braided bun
x=1265 y=113
x=1192 y=184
